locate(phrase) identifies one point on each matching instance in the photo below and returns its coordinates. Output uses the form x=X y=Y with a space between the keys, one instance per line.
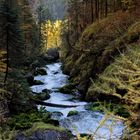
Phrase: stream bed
x=86 y=121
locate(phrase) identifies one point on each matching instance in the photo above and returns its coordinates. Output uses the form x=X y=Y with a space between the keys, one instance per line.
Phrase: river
x=86 y=121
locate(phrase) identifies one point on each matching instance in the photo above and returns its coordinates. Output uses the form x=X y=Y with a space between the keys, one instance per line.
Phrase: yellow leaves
x=51 y=34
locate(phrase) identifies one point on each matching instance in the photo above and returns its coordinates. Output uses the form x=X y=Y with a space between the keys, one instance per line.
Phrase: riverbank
x=104 y=64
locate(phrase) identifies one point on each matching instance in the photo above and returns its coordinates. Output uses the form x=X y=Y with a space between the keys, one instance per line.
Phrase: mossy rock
x=46 y=90
x=68 y=89
x=43 y=126
x=41 y=131
x=73 y=112
x=42 y=96
x=40 y=71
x=37 y=82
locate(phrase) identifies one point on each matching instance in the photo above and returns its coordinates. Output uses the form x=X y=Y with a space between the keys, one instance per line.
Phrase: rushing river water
x=86 y=122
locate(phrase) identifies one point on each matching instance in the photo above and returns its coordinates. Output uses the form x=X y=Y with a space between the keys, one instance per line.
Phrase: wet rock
x=56 y=72
x=68 y=89
x=46 y=90
x=52 y=55
x=42 y=96
x=40 y=71
x=37 y=82
x=71 y=113
x=56 y=115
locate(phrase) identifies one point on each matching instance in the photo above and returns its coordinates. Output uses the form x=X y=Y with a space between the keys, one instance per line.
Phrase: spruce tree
x=11 y=36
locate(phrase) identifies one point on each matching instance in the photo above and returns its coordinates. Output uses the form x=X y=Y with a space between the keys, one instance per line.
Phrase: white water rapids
x=86 y=122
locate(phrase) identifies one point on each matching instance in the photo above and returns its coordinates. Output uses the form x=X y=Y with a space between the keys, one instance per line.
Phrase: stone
x=37 y=82
x=42 y=96
x=40 y=71
x=73 y=112
x=52 y=55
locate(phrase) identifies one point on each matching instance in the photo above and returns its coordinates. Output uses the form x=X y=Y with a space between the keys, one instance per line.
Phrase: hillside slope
x=105 y=61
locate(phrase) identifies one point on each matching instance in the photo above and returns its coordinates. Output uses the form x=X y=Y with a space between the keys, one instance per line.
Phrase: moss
x=73 y=112
x=42 y=96
x=24 y=121
x=117 y=109
x=68 y=89
x=42 y=126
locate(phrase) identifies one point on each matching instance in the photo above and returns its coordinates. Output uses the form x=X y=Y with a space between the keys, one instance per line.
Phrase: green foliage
x=73 y=112
x=12 y=35
x=117 y=109
x=121 y=78
x=24 y=121
x=6 y=133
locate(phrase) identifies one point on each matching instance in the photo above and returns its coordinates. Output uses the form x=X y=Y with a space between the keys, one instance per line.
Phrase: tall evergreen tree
x=11 y=36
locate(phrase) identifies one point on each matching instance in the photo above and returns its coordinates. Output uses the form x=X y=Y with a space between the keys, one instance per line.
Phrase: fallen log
x=38 y=102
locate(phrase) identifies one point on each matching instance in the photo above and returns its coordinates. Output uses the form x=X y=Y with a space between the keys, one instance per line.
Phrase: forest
x=69 y=70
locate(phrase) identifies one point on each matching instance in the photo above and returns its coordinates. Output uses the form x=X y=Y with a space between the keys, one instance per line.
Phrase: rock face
x=45 y=135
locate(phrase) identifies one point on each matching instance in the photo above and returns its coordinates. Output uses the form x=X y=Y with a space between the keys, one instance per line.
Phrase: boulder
x=43 y=131
x=52 y=55
x=68 y=89
x=40 y=71
x=42 y=96
x=73 y=112
x=37 y=82
x=45 y=135
x=46 y=90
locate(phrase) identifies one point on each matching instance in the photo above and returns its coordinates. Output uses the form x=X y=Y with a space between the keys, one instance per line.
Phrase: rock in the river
x=40 y=71
x=52 y=55
x=42 y=96
x=46 y=90
x=73 y=112
x=37 y=82
x=68 y=89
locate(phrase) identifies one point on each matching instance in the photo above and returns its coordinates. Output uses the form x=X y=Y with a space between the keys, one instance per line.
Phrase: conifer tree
x=11 y=36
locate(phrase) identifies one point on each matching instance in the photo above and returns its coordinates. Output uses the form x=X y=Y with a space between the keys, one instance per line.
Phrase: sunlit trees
x=51 y=34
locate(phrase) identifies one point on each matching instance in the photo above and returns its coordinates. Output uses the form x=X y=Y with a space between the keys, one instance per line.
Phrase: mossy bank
x=105 y=62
